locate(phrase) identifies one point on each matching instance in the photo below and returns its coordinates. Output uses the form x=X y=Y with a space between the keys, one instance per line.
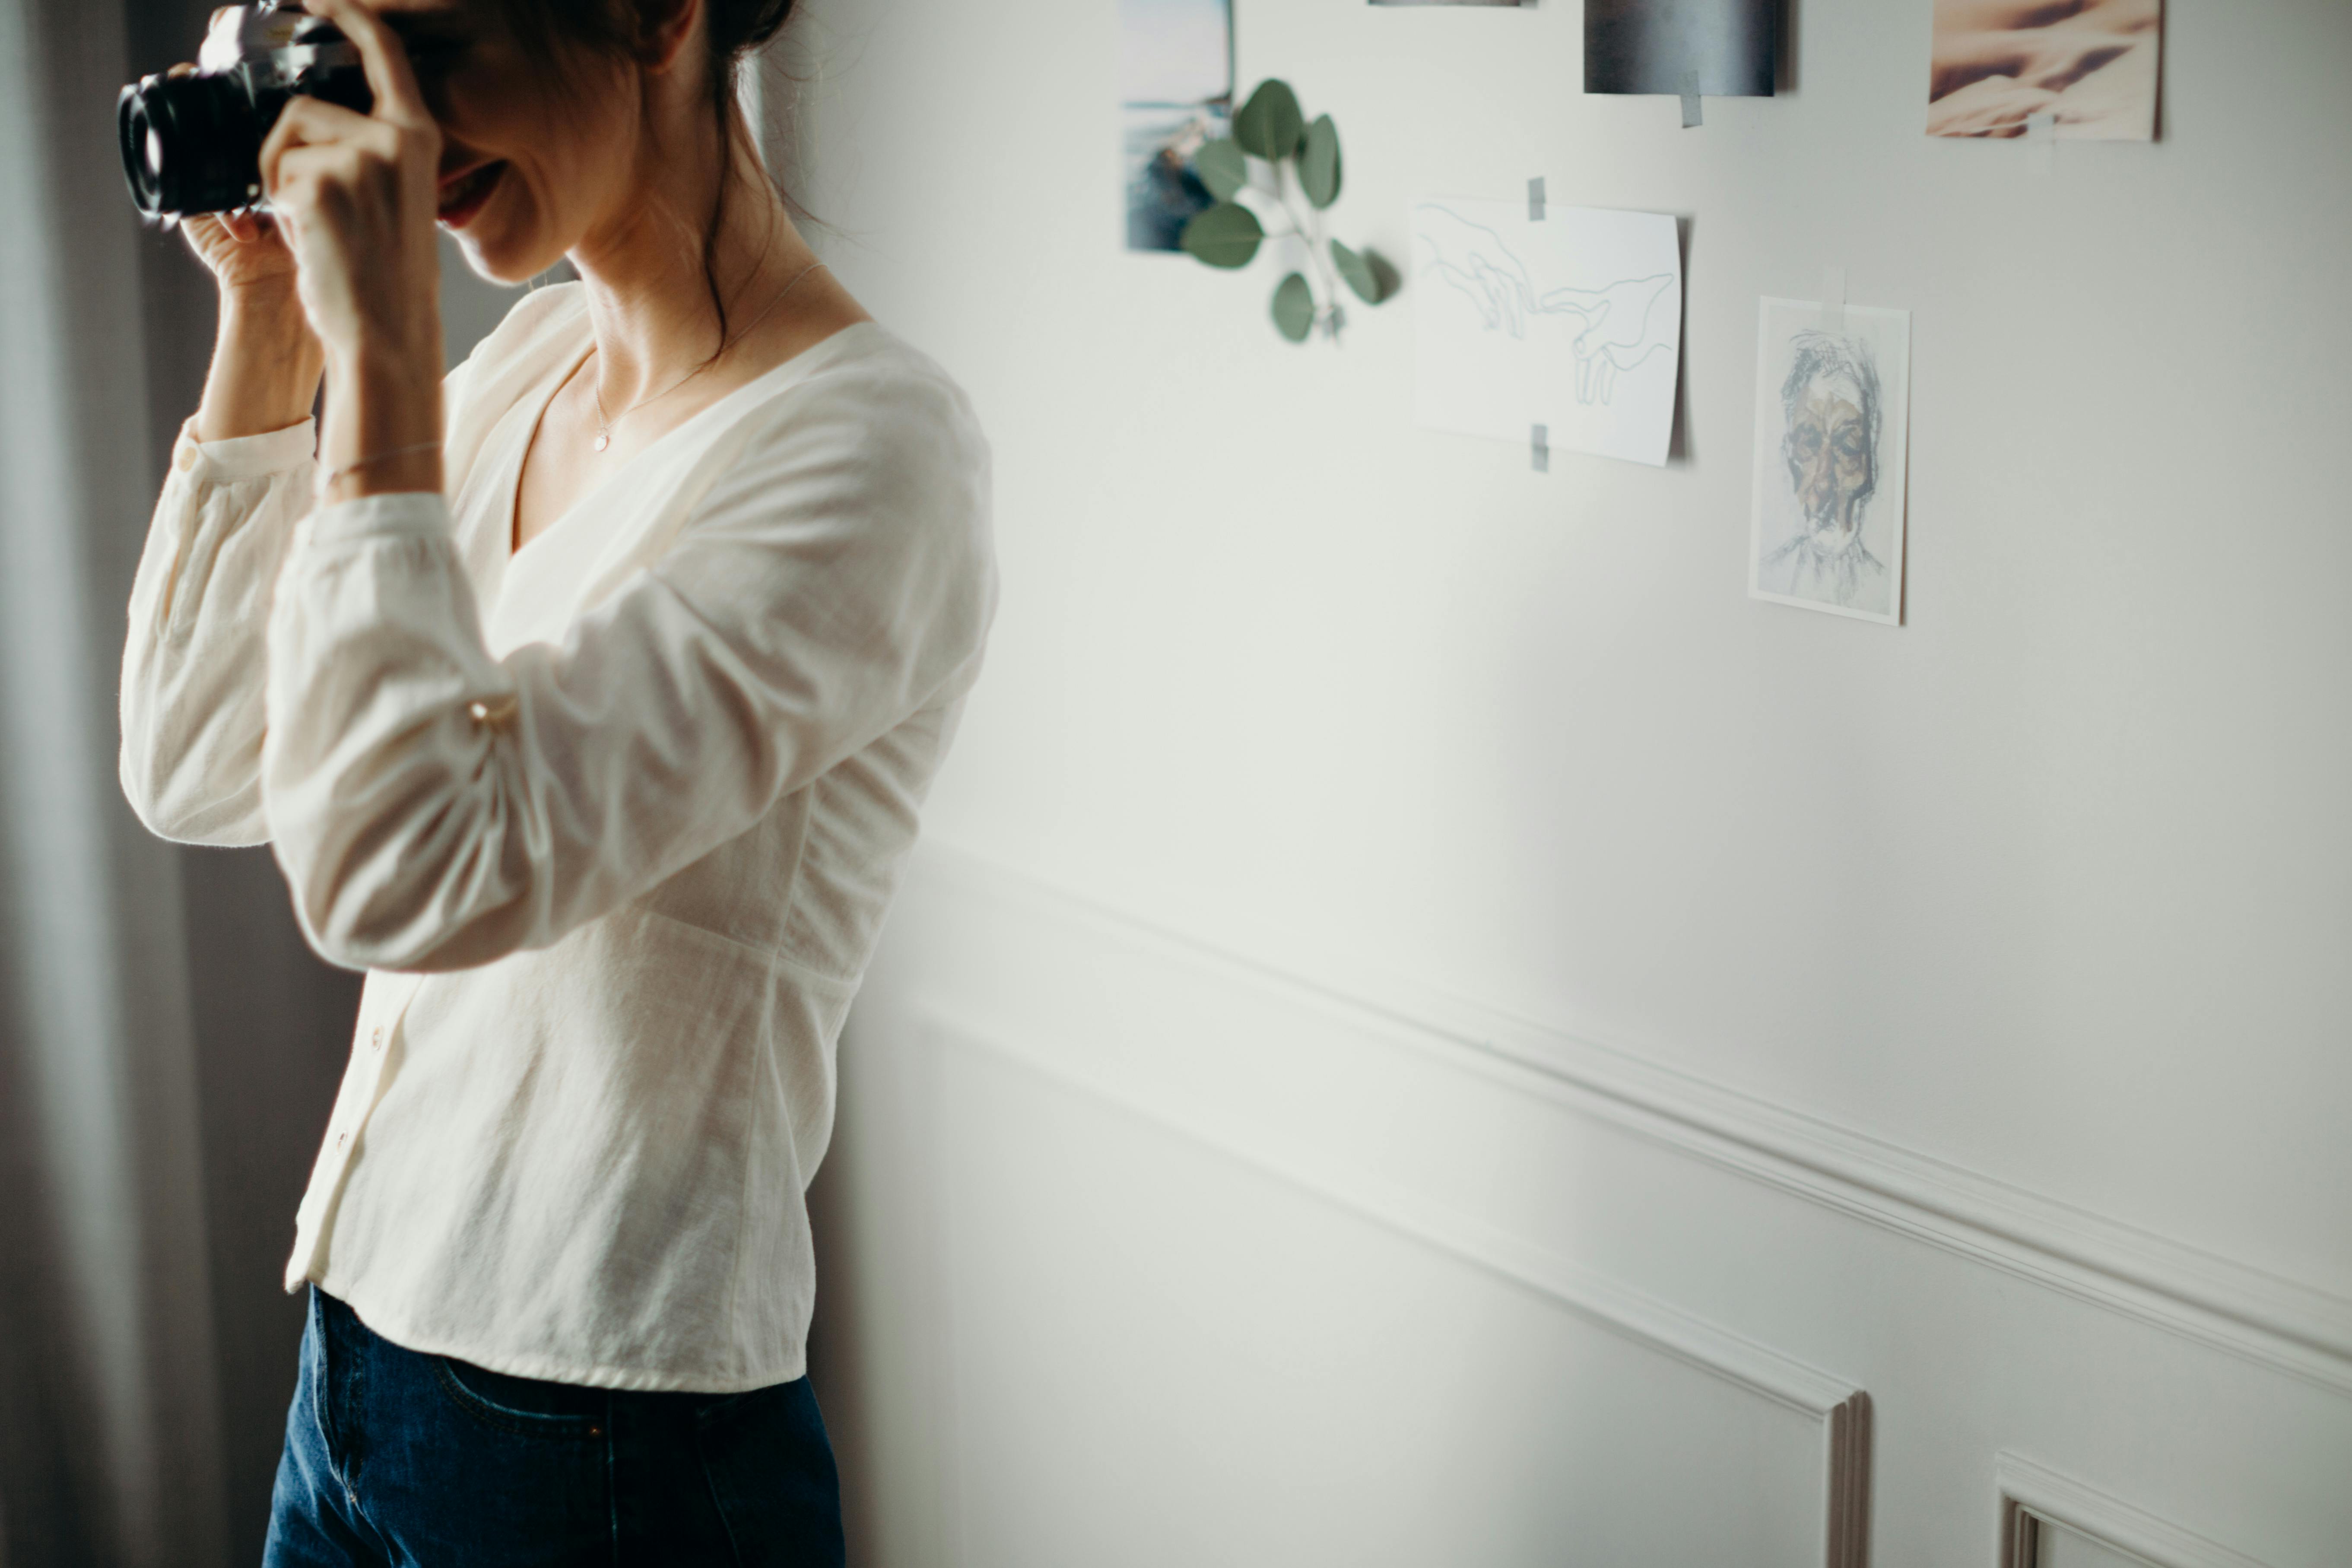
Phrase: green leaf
x=1270 y=124
x=1225 y=236
x=1319 y=163
x=1294 y=308
x=1358 y=273
x=1222 y=168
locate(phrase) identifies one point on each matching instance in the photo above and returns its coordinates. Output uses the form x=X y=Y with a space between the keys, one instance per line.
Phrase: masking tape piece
x=1690 y=99
x=2041 y=141
x=1539 y=448
x=1535 y=199
x=1833 y=301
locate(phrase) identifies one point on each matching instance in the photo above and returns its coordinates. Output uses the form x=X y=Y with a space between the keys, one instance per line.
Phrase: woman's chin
x=497 y=258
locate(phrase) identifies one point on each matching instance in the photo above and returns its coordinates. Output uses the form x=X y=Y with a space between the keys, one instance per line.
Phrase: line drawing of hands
x=1475 y=261
x=1616 y=335
x=1622 y=325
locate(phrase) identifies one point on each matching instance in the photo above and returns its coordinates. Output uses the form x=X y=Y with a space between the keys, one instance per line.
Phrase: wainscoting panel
x=2034 y=1497
x=1165 y=1354
x=1836 y=1414
x=1122 y=1229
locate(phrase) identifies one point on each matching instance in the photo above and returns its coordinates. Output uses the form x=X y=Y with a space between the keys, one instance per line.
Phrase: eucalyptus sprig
x=1300 y=160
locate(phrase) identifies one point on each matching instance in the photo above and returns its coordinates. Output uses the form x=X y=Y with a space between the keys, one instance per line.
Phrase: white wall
x=2008 y=946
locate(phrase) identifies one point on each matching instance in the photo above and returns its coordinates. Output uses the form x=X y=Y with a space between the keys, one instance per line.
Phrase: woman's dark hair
x=625 y=30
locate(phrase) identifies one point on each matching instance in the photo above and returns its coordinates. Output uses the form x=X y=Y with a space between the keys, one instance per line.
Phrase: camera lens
x=190 y=145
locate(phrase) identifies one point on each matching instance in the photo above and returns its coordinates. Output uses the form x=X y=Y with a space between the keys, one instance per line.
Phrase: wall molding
x=2025 y=1486
x=1841 y=1409
x=2283 y=1324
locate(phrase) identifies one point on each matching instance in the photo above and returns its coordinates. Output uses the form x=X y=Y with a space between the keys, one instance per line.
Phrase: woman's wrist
x=265 y=364
x=383 y=425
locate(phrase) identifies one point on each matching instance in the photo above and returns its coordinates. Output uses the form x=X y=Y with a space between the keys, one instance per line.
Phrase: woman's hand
x=356 y=193
x=266 y=360
x=242 y=250
x=356 y=196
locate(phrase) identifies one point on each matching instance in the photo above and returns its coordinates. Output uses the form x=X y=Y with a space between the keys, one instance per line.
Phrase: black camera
x=193 y=143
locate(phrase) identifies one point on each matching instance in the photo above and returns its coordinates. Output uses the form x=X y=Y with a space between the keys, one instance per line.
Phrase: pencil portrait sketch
x=1573 y=322
x=1831 y=439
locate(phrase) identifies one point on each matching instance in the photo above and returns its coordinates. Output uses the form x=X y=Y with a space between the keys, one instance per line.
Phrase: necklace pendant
x=603 y=439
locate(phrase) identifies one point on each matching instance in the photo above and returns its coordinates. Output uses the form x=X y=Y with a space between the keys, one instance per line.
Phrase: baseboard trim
x=2283 y=1324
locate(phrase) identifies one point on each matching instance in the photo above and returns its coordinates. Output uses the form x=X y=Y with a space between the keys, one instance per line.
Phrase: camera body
x=193 y=143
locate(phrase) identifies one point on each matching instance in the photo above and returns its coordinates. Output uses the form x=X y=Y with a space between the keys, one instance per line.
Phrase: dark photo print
x=1656 y=45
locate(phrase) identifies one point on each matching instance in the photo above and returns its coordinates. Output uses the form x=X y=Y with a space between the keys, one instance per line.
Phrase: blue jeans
x=394 y=1456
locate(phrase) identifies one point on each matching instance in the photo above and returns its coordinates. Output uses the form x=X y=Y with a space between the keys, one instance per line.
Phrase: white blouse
x=611 y=821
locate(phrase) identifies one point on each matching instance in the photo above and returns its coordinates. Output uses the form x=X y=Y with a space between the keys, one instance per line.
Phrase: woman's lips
x=462 y=197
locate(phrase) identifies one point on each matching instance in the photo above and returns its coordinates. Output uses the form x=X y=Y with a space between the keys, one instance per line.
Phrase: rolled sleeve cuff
x=404 y=514
x=244 y=456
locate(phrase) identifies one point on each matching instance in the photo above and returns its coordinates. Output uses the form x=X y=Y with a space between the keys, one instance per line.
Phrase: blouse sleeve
x=191 y=705
x=435 y=808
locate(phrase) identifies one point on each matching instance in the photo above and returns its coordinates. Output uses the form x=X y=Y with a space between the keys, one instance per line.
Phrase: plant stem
x=1317 y=254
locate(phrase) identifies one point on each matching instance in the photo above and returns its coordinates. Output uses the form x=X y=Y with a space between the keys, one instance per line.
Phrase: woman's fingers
x=353 y=196
x=389 y=73
x=336 y=172
x=314 y=123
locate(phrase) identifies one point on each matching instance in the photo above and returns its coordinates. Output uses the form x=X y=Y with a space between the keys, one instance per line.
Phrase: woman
x=587 y=699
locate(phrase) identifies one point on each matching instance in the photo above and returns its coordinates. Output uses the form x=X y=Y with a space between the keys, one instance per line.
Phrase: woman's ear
x=667 y=27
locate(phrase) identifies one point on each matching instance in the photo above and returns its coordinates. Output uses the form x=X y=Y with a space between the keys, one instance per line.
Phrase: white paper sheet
x=1573 y=322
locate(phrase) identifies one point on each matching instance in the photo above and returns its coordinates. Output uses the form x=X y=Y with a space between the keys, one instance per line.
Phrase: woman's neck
x=649 y=302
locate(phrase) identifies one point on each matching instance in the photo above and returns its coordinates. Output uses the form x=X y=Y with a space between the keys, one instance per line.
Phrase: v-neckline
x=513 y=507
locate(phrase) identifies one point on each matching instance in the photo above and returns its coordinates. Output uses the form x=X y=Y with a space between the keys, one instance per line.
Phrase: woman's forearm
x=192 y=668
x=266 y=365
x=384 y=419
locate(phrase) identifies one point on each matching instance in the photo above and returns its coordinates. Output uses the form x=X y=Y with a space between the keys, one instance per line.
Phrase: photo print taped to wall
x=1176 y=95
x=2091 y=64
x=1723 y=49
x=1833 y=436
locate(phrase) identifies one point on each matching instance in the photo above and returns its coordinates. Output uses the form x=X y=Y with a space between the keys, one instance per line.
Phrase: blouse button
x=497 y=712
x=341 y=1139
x=376 y=1039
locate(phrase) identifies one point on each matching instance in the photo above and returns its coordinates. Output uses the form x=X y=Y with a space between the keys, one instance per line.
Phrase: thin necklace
x=605 y=421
